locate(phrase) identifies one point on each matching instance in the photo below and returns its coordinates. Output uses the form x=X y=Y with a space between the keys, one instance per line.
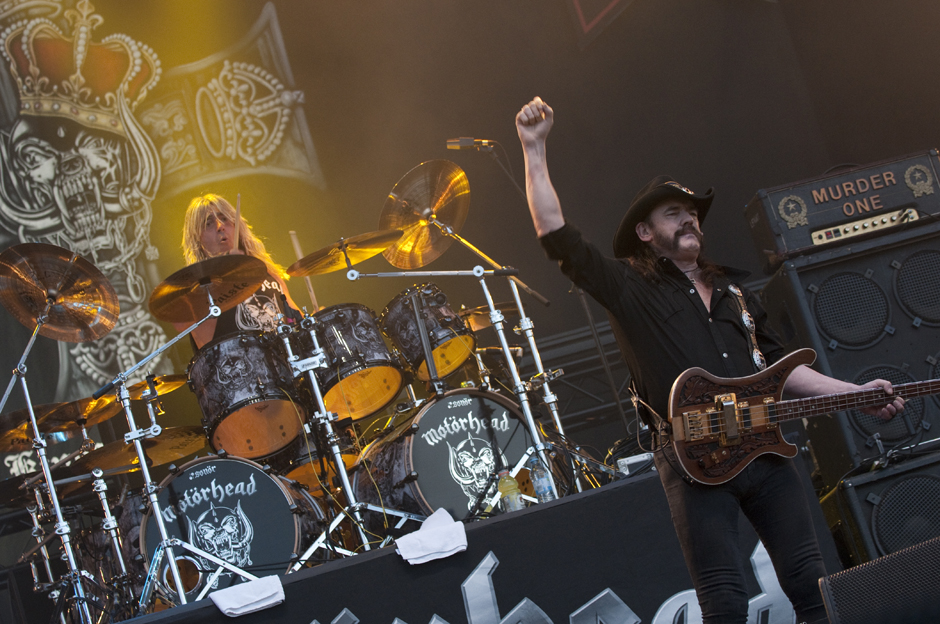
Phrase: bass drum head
x=452 y=446
x=229 y=508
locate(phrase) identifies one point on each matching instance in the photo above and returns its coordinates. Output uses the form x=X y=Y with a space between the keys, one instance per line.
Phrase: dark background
x=735 y=94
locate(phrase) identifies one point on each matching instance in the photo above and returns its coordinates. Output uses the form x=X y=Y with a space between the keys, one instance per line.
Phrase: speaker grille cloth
x=851 y=309
x=918 y=285
x=908 y=514
x=896 y=429
x=899 y=588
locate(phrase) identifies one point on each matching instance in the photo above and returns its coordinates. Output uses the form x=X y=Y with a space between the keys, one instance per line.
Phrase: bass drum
x=230 y=508
x=245 y=390
x=443 y=456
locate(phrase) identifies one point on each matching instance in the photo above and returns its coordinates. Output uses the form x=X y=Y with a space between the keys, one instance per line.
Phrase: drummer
x=209 y=231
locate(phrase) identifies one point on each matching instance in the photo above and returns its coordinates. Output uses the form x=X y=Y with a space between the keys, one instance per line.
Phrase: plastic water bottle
x=540 y=479
x=509 y=489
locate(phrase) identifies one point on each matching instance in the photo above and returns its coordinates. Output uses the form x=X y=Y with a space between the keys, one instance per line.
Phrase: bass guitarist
x=672 y=310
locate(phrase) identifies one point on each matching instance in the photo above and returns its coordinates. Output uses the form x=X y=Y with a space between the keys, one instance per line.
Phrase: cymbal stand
x=40 y=534
x=323 y=419
x=542 y=377
x=62 y=528
x=135 y=435
x=110 y=522
x=496 y=317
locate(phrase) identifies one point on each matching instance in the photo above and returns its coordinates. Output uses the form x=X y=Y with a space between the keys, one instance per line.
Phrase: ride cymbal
x=172 y=444
x=436 y=189
x=334 y=257
x=84 y=304
x=181 y=298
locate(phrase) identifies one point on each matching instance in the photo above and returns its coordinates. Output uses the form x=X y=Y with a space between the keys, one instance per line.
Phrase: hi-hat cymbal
x=435 y=189
x=17 y=432
x=181 y=298
x=333 y=257
x=172 y=444
x=164 y=384
x=84 y=304
x=71 y=416
x=479 y=318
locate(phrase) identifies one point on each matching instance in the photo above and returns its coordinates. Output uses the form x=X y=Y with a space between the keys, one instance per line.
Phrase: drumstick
x=300 y=255
x=238 y=220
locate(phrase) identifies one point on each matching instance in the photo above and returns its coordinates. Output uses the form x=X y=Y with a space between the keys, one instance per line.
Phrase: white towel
x=438 y=537
x=249 y=597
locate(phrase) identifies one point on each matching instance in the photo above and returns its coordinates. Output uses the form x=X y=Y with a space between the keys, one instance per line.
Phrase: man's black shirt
x=664 y=327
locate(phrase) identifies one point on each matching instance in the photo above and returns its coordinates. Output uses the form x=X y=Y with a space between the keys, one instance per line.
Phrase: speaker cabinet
x=882 y=512
x=870 y=310
x=900 y=588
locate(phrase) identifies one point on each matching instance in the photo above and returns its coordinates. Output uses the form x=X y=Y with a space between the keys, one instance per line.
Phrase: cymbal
x=172 y=444
x=17 y=432
x=69 y=416
x=479 y=318
x=332 y=257
x=164 y=384
x=181 y=298
x=436 y=188
x=84 y=304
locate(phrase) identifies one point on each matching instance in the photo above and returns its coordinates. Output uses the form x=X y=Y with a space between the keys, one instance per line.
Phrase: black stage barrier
x=609 y=555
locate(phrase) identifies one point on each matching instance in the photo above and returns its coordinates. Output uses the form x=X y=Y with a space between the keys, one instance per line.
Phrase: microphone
x=469 y=143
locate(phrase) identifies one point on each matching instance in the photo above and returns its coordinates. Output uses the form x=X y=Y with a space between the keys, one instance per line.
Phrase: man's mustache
x=688 y=229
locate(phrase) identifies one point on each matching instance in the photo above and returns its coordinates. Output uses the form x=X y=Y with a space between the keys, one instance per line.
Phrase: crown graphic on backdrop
x=69 y=75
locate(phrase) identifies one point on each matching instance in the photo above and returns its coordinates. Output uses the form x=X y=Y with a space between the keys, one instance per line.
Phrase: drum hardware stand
x=41 y=540
x=39 y=445
x=496 y=317
x=324 y=419
x=135 y=435
x=166 y=547
x=526 y=326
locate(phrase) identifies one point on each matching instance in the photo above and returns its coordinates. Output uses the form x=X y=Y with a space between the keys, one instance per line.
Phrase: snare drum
x=444 y=456
x=230 y=508
x=452 y=341
x=362 y=375
x=245 y=389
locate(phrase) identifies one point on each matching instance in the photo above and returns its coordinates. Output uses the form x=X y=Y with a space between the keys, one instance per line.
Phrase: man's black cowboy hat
x=659 y=189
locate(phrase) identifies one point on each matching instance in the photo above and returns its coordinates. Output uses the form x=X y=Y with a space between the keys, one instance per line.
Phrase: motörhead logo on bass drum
x=232 y=510
x=444 y=456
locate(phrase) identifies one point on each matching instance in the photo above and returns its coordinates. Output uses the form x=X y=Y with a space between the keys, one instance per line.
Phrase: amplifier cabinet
x=870 y=310
x=851 y=205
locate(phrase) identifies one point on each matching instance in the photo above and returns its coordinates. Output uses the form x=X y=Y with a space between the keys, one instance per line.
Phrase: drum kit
x=290 y=482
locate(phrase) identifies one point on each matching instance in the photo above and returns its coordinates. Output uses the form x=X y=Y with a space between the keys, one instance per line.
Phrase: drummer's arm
x=202 y=334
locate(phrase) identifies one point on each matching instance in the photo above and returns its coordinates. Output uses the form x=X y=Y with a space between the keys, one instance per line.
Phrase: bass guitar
x=720 y=425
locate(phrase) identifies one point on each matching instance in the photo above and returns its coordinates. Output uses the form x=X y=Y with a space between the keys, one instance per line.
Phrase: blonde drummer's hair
x=197 y=214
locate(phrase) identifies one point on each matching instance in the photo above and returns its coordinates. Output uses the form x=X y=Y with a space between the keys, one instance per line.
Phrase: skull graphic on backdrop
x=78 y=171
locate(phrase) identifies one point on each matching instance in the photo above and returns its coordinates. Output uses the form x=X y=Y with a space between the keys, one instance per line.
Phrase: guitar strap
x=756 y=356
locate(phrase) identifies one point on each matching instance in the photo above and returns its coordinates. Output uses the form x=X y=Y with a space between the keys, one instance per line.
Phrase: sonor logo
x=459 y=403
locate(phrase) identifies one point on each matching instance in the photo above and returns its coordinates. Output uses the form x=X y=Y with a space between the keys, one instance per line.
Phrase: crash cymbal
x=172 y=444
x=333 y=257
x=479 y=318
x=164 y=384
x=438 y=189
x=181 y=298
x=84 y=304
